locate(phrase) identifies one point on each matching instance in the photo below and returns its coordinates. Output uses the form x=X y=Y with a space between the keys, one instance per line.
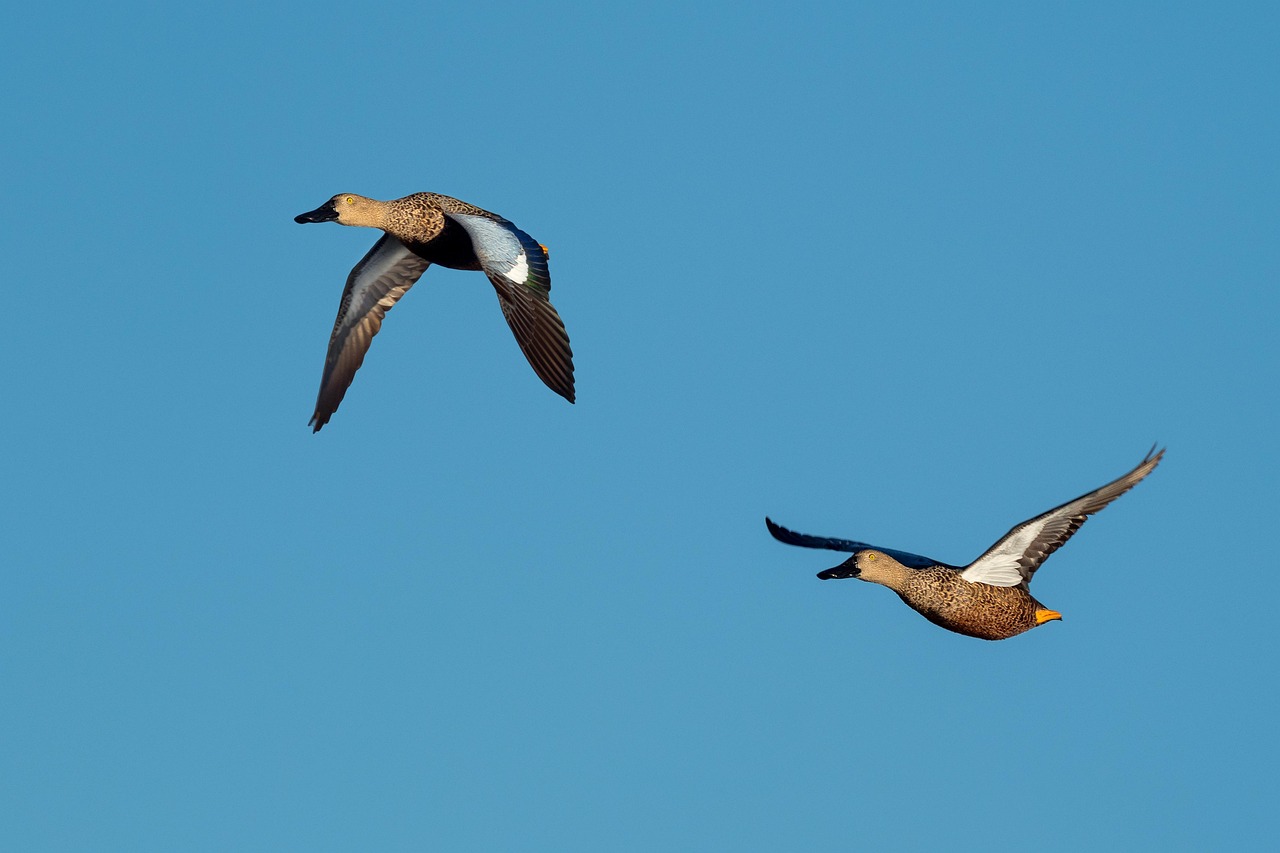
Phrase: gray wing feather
x=374 y=286
x=1014 y=559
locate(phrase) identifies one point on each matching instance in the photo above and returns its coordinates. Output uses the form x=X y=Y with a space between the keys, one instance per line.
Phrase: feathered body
x=990 y=598
x=429 y=228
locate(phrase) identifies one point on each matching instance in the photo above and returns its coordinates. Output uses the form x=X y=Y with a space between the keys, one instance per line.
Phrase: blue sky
x=907 y=273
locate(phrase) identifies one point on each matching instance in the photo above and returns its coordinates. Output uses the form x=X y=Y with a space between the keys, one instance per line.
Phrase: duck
x=428 y=228
x=990 y=598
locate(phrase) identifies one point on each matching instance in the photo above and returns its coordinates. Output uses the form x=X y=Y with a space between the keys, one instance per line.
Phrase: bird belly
x=973 y=609
x=451 y=248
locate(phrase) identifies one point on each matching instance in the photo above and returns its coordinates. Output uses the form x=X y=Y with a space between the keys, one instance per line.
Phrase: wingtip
x=1151 y=460
x=563 y=385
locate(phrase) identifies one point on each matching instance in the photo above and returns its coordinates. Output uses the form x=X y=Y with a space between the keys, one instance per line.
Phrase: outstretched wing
x=517 y=266
x=375 y=285
x=782 y=534
x=1015 y=558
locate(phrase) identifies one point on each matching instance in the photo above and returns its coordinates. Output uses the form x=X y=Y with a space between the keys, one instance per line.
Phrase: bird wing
x=375 y=285
x=1015 y=558
x=782 y=534
x=517 y=266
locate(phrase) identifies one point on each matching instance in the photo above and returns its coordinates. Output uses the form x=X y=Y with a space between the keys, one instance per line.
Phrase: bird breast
x=975 y=609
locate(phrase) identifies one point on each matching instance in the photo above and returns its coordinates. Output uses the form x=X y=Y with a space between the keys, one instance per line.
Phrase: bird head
x=346 y=209
x=871 y=566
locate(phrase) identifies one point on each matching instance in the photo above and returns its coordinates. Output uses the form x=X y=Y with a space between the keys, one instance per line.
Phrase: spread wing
x=782 y=534
x=1015 y=558
x=375 y=285
x=517 y=266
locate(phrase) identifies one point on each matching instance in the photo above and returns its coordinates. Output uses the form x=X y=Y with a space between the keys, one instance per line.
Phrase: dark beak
x=324 y=213
x=847 y=569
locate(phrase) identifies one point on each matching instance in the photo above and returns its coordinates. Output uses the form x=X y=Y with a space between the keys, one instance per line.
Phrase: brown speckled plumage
x=989 y=598
x=419 y=218
x=429 y=228
x=977 y=609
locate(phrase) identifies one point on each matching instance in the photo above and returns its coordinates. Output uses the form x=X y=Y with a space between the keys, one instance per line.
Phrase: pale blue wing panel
x=517 y=266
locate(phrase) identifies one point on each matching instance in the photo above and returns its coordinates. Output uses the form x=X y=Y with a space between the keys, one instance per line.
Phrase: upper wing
x=517 y=266
x=1015 y=558
x=376 y=283
x=782 y=534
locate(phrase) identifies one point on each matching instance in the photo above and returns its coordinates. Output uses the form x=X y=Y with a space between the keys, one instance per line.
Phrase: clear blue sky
x=908 y=273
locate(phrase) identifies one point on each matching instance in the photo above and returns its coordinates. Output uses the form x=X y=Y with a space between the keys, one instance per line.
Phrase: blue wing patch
x=506 y=252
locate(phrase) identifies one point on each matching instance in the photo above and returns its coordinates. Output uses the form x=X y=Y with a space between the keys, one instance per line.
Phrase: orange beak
x=1043 y=615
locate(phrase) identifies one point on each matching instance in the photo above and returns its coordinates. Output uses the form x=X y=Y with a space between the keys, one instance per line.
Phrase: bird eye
x=871 y=558
x=349 y=200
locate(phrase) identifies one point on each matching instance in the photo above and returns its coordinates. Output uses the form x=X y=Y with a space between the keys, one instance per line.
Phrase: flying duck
x=424 y=229
x=989 y=597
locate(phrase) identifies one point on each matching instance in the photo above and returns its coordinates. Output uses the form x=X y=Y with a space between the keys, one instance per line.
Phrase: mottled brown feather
x=974 y=609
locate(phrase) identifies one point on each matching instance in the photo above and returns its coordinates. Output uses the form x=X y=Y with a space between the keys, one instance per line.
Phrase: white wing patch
x=520 y=272
x=498 y=248
x=1000 y=566
x=994 y=573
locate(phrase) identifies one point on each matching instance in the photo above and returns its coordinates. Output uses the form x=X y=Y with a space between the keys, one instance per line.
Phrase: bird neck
x=885 y=571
